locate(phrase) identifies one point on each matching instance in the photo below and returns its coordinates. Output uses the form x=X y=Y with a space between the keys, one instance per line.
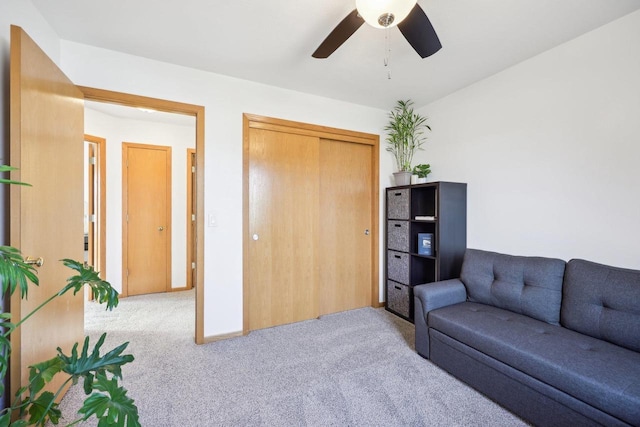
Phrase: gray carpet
x=356 y=368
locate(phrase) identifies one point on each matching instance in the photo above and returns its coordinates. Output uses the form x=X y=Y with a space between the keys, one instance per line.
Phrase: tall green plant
x=405 y=133
x=106 y=400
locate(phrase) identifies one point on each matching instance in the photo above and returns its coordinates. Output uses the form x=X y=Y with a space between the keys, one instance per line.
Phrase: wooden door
x=47 y=120
x=283 y=228
x=345 y=226
x=146 y=219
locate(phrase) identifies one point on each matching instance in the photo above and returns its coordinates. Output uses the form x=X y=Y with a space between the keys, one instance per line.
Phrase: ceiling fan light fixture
x=384 y=13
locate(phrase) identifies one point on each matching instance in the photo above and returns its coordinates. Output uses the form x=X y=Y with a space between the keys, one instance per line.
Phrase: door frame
x=252 y=121
x=101 y=144
x=197 y=111
x=191 y=178
x=125 y=211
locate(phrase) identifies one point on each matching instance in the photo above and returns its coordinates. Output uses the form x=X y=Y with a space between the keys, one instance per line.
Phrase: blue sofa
x=556 y=343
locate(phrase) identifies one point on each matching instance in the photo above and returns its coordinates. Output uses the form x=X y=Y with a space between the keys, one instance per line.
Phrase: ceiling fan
x=406 y=14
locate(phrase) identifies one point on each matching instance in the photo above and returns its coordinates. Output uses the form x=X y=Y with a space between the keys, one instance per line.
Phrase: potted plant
x=99 y=373
x=422 y=171
x=405 y=135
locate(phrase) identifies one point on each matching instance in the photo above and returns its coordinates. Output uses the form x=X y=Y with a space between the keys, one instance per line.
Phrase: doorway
x=146 y=219
x=95 y=203
x=118 y=98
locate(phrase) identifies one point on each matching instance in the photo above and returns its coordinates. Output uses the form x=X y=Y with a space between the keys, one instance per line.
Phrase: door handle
x=38 y=262
x=161 y=228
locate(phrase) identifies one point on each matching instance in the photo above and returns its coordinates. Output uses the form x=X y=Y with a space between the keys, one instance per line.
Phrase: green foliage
x=43 y=408
x=102 y=291
x=14 y=271
x=32 y=403
x=42 y=373
x=88 y=366
x=6 y=328
x=405 y=133
x=422 y=170
x=5 y=168
x=113 y=407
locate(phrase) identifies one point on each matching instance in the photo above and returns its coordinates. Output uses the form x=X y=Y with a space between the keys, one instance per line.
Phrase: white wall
x=24 y=14
x=550 y=149
x=224 y=99
x=117 y=130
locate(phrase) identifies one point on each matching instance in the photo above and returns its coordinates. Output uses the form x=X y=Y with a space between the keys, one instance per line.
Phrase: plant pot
x=402 y=178
x=414 y=179
x=421 y=180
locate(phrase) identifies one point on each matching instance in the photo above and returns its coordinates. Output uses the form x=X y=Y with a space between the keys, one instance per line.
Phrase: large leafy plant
x=405 y=134
x=32 y=404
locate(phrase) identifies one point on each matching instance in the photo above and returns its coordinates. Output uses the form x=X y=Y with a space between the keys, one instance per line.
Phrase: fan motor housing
x=386 y=19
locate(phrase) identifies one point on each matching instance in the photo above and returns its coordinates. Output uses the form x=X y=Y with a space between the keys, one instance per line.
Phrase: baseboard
x=184 y=288
x=214 y=338
x=378 y=305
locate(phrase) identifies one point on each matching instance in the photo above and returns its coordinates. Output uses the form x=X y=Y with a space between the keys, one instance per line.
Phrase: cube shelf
x=439 y=208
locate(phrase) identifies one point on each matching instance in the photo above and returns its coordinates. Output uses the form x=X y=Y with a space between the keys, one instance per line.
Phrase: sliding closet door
x=283 y=228
x=310 y=221
x=346 y=223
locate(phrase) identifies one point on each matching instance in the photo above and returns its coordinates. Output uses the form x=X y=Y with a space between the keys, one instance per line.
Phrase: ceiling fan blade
x=339 y=35
x=419 y=32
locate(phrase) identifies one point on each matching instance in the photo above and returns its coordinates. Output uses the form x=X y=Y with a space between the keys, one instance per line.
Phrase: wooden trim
x=169 y=226
x=119 y=98
x=245 y=222
x=297 y=128
x=15 y=197
x=125 y=229
x=252 y=121
x=375 y=223
x=215 y=338
x=190 y=179
x=101 y=143
x=199 y=332
x=197 y=111
x=180 y=289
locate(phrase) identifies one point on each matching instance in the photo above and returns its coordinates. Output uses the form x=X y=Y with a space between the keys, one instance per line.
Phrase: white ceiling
x=272 y=41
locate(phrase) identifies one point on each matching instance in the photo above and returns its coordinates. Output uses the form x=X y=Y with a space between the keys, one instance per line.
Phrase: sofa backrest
x=603 y=302
x=524 y=285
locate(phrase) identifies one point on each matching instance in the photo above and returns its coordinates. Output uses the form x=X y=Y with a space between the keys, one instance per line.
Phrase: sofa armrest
x=431 y=296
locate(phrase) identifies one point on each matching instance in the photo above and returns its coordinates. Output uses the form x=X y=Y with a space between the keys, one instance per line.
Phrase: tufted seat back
x=526 y=285
x=603 y=302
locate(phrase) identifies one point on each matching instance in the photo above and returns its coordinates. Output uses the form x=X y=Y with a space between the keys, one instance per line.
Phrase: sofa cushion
x=525 y=285
x=596 y=372
x=603 y=302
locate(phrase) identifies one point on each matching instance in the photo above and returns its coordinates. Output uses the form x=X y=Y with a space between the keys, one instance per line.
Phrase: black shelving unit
x=405 y=268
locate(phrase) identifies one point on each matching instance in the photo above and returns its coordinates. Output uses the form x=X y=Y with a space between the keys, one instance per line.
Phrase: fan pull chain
x=387 y=52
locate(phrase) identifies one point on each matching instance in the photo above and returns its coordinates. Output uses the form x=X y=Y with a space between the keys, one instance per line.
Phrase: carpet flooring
x=356 y=368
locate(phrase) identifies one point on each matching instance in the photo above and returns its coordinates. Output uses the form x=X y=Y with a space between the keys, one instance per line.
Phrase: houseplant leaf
x=113 y=407
x=88 y=366
x=103 y=292
x=6 y=168
x=405 y=133
x=42 y=373
x=44 y=408
x=14 y=271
